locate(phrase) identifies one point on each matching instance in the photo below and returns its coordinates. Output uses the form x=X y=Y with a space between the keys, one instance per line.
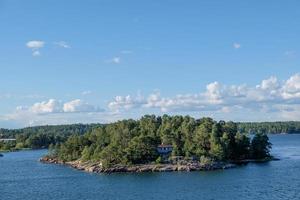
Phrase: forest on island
x=130 y=142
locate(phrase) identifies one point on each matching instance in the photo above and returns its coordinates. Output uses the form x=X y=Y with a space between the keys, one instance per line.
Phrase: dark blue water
x=23 y=177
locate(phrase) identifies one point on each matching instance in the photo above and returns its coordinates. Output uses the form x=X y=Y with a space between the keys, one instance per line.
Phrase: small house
x=164 y=149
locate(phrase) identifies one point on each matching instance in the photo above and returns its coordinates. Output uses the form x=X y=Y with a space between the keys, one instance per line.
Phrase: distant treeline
x=269 y=127
x=41 y=136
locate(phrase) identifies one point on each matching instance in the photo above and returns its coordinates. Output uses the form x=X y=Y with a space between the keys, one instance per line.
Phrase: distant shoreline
x=16 y=150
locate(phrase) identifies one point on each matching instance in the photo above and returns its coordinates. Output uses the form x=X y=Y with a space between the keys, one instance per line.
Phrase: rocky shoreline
x=97 y=168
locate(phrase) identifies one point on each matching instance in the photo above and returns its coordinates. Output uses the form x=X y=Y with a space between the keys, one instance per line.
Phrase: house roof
x=164 y=145
x=7 y=139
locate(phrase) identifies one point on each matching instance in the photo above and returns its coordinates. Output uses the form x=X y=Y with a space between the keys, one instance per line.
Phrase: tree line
x=41 y=136
x=288 y=127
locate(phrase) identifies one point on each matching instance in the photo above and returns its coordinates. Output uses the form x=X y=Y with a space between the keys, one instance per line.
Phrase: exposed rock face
x=97 y=167
x=47 y=159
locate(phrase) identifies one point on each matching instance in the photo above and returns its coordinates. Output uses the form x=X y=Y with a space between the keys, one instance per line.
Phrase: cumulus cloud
x=291 y=88
x=126 y=103
x=55 y=106
x=268 y=96
x=50 y=106
x=78 y=105
x=35 y=45
x=236 y=45
x=62 y=44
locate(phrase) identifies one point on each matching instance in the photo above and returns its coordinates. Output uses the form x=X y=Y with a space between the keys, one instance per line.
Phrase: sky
x=65 y=62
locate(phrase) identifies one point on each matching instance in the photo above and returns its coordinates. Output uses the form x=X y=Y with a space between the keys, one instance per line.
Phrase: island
x=167 y=143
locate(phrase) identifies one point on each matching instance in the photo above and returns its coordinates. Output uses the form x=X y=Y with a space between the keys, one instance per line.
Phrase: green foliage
x=269 y=127
x=141 y=149
x=112 y=155
x=159 y=160
x=42 y=136
x=242 y=146
x=260 y=146
x=205 y=160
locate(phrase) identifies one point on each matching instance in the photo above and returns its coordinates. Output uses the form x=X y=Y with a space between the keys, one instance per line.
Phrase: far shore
x=15 y=150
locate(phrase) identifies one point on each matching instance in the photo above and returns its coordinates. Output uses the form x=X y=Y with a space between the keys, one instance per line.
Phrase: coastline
x=95 y=167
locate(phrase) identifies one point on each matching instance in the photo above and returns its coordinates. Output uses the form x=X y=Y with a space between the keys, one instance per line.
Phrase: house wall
x=163 y=150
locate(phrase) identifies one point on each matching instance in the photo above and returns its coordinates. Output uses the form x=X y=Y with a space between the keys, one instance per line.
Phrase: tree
x=111 y=155
x=87 y=153
x=242 y=146
x=141 y=149
x=216 y=150
x=202 y=138
x=260 y=146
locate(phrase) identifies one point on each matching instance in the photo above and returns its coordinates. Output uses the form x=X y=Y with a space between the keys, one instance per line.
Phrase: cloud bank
x=271 y=95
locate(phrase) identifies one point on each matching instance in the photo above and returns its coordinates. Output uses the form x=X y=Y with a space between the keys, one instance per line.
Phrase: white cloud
x=35 y=45
x=36 y=53
x=114 y=60
x=126 y=103
x=78 y=105
x=54 y=106
x=268 y=96
x=269 y=84
x=291 y=88
x=50 y=106
x=62 y=44
x=236 y=45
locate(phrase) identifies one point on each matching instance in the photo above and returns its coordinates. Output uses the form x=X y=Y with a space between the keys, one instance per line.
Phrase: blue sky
x=100 y=61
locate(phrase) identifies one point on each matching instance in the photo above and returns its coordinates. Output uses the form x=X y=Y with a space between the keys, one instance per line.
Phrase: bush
x=205 y=160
